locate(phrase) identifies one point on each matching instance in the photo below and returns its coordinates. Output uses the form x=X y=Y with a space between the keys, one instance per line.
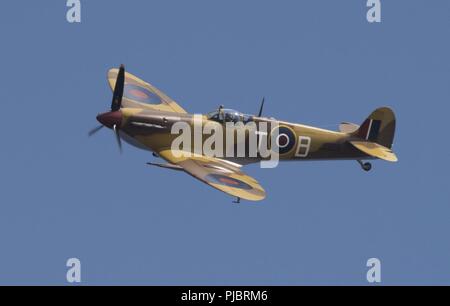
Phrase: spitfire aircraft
x=143 y=116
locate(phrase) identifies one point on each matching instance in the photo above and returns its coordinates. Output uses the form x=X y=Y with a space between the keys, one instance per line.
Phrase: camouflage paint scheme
x=147 y=115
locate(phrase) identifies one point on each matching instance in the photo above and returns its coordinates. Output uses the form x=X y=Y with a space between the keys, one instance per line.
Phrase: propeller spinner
x=113 y=118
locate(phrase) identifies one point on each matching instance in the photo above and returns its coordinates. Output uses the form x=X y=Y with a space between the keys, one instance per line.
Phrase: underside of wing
x=220 y=174
x=375 y=150
x=140 y=94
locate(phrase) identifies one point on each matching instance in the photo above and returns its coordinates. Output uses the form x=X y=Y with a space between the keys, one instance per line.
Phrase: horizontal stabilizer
x=375 y=150
x=347 y=127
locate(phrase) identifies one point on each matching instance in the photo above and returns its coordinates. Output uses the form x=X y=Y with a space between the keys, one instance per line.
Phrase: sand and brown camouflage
x=147 y=116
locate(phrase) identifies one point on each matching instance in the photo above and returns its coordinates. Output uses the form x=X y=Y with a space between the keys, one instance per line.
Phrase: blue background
x=317 y=62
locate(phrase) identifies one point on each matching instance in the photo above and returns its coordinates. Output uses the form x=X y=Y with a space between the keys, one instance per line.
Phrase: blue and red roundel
x=227 y=181
x=140 y=94
x=285 y=140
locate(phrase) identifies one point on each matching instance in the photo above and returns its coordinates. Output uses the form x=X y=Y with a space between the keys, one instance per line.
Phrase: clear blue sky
x=317 y=62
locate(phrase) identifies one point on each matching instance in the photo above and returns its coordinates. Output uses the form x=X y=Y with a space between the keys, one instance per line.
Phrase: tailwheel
x=365 y=166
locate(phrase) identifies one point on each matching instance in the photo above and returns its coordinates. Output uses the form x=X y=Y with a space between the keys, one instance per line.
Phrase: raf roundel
x=285 y=140
x=140 y=94
x=227 y=181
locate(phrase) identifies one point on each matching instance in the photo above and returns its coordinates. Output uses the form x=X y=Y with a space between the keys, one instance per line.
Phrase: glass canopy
x=229 y=115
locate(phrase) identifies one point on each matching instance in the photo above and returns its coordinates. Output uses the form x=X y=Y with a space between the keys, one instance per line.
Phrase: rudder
x=379 y=127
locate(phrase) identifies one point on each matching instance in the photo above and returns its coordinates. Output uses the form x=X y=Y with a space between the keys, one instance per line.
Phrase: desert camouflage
x=147 y=115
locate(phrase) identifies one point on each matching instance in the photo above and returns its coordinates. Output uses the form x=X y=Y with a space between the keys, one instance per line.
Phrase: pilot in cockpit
x=224 y=115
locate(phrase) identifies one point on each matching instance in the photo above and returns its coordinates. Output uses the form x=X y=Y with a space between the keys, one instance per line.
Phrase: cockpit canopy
x=228 y=115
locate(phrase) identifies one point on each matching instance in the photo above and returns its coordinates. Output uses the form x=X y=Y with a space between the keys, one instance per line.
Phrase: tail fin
x=379 y=127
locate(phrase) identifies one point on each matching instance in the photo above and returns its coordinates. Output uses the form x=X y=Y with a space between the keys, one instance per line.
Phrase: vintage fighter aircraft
x=143 y=116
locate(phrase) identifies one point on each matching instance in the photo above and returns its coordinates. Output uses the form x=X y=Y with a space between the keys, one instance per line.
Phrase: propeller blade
x=261 y=107
x=119 y=142
x=116 y=103
x=95 y=130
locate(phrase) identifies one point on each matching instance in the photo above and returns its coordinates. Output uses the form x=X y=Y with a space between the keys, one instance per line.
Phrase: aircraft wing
x=140 y=94
x=220 y=174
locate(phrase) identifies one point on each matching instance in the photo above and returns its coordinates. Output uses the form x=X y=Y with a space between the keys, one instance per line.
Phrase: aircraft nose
x=110 y=119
